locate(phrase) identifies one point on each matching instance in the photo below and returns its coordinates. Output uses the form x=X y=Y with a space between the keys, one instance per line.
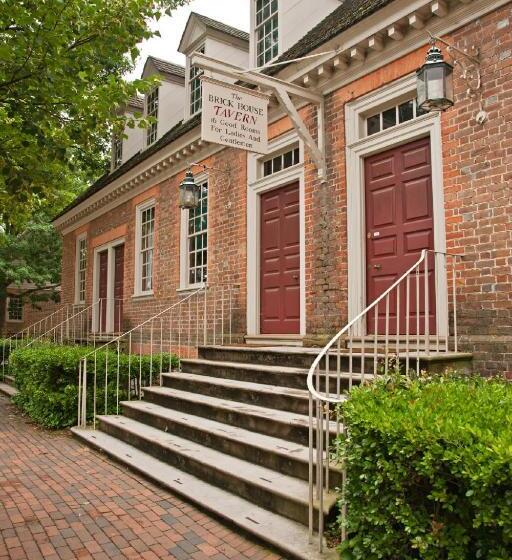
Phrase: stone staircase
x=230 y=433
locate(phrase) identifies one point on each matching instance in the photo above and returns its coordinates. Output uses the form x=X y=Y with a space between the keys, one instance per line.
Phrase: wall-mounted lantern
x=189 y=192
x=435 y=77
x=435 y=82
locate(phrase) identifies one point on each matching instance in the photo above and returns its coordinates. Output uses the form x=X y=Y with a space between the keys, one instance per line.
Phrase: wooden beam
x=317 y=154
x=324 y=72
x=251 y=77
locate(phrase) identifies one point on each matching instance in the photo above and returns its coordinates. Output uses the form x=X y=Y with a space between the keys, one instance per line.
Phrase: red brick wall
x=477 y=169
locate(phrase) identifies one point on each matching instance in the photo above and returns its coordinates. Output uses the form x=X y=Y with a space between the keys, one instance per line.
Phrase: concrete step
x=259 y=394
x=287 y=536
x=304 y=357
x=9 y=379
x=281 y=376
x=289 y=356
x=266 y=488
x=268 y=451
x=278 y=423
x=274 y=340
x=8 y=390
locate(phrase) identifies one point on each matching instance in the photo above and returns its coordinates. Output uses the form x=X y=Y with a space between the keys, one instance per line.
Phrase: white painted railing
x=353 y=356
x=204 y=316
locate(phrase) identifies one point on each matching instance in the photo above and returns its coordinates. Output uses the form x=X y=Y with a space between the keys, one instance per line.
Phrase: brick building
x=369 y=89
x=301 y=244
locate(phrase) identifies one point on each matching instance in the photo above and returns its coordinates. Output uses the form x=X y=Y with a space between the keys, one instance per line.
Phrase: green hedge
x=47 y=379
x=429 y=466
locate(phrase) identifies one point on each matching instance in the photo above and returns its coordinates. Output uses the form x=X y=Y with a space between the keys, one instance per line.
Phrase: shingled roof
x=349 y=13
x=166 y=67
x=219 y=26
x=179 y=130
x=136 y=102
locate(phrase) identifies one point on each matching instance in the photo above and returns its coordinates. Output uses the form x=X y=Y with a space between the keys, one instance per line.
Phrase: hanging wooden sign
x=234 y=116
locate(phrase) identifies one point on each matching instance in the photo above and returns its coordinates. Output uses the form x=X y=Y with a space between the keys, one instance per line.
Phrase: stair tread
x=242 y=365
x=250 y=409
x=250 y=473
x=238 y=384
x=286 y=535
x=287 y=370
x=264 y=442
x=8 y=390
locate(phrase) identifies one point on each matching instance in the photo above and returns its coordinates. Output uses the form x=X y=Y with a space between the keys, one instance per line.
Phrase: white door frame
x=360 y=147
x=110 y=324
x=257 y=185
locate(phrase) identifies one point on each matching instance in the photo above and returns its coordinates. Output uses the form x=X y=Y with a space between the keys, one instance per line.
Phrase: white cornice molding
x=163 y=165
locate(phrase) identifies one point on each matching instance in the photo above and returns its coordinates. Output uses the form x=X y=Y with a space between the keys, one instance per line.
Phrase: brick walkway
x=59 y=500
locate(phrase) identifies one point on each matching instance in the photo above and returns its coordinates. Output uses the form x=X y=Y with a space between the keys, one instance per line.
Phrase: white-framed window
x=392 y=116
x=144 y=249
x=117 y=151
x=194 y=86
x=152 y=111
x=277 y=163
x=81 y=269
x=267 y=31
x=15 y=309
x=197 y=240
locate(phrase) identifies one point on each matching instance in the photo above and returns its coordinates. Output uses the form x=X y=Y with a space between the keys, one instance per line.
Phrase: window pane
x=278 y=164
x=373 y=124
x=389 y=118
x=406 y=111
x=288 y=159
x=267 y=168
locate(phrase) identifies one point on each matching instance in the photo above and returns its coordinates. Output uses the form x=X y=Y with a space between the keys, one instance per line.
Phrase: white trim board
x=360 y=148
x=137 y=292
x=255 y=187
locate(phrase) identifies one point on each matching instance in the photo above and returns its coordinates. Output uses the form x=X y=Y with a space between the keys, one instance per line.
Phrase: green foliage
x=429 y=466
x=47 y=379
x=61 y=82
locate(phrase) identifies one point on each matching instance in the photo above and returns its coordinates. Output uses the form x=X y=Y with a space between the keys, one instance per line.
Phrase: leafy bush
x=47 y=379
x=429 y=466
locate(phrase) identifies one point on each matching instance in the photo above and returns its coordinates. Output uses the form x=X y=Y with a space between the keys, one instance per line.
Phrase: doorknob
x=377 y=266
x=295 y=276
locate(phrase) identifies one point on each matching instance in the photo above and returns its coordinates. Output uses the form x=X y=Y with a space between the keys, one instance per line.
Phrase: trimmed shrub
x=47 y=379
x=429 y=467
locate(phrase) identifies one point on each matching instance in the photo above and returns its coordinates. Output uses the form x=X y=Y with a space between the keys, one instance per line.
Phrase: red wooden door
x=280 y=261
x=399 y=224
x=103 y=291
x=118 y=287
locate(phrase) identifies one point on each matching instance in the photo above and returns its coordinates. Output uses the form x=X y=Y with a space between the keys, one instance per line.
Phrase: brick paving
x=60 y=500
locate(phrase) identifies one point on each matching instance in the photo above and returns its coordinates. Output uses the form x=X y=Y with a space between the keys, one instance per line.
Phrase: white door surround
x=256 y=185
x=109 y=247
x=358 y=148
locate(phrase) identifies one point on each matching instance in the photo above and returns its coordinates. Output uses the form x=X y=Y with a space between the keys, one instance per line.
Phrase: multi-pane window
x=389 y=118
x=198 y=240
x=195 y=87
x=267 y=31
x=152 y=111
x=117 y=151
x=146 y=248
x=81 y=269
x=280 y=162
x=15 y=308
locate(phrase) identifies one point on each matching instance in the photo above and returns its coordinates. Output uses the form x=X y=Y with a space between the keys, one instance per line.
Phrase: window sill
x=189 y=289
x=142 y=297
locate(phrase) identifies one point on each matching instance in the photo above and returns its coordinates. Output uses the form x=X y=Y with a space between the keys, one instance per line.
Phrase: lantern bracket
x=470 y=66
